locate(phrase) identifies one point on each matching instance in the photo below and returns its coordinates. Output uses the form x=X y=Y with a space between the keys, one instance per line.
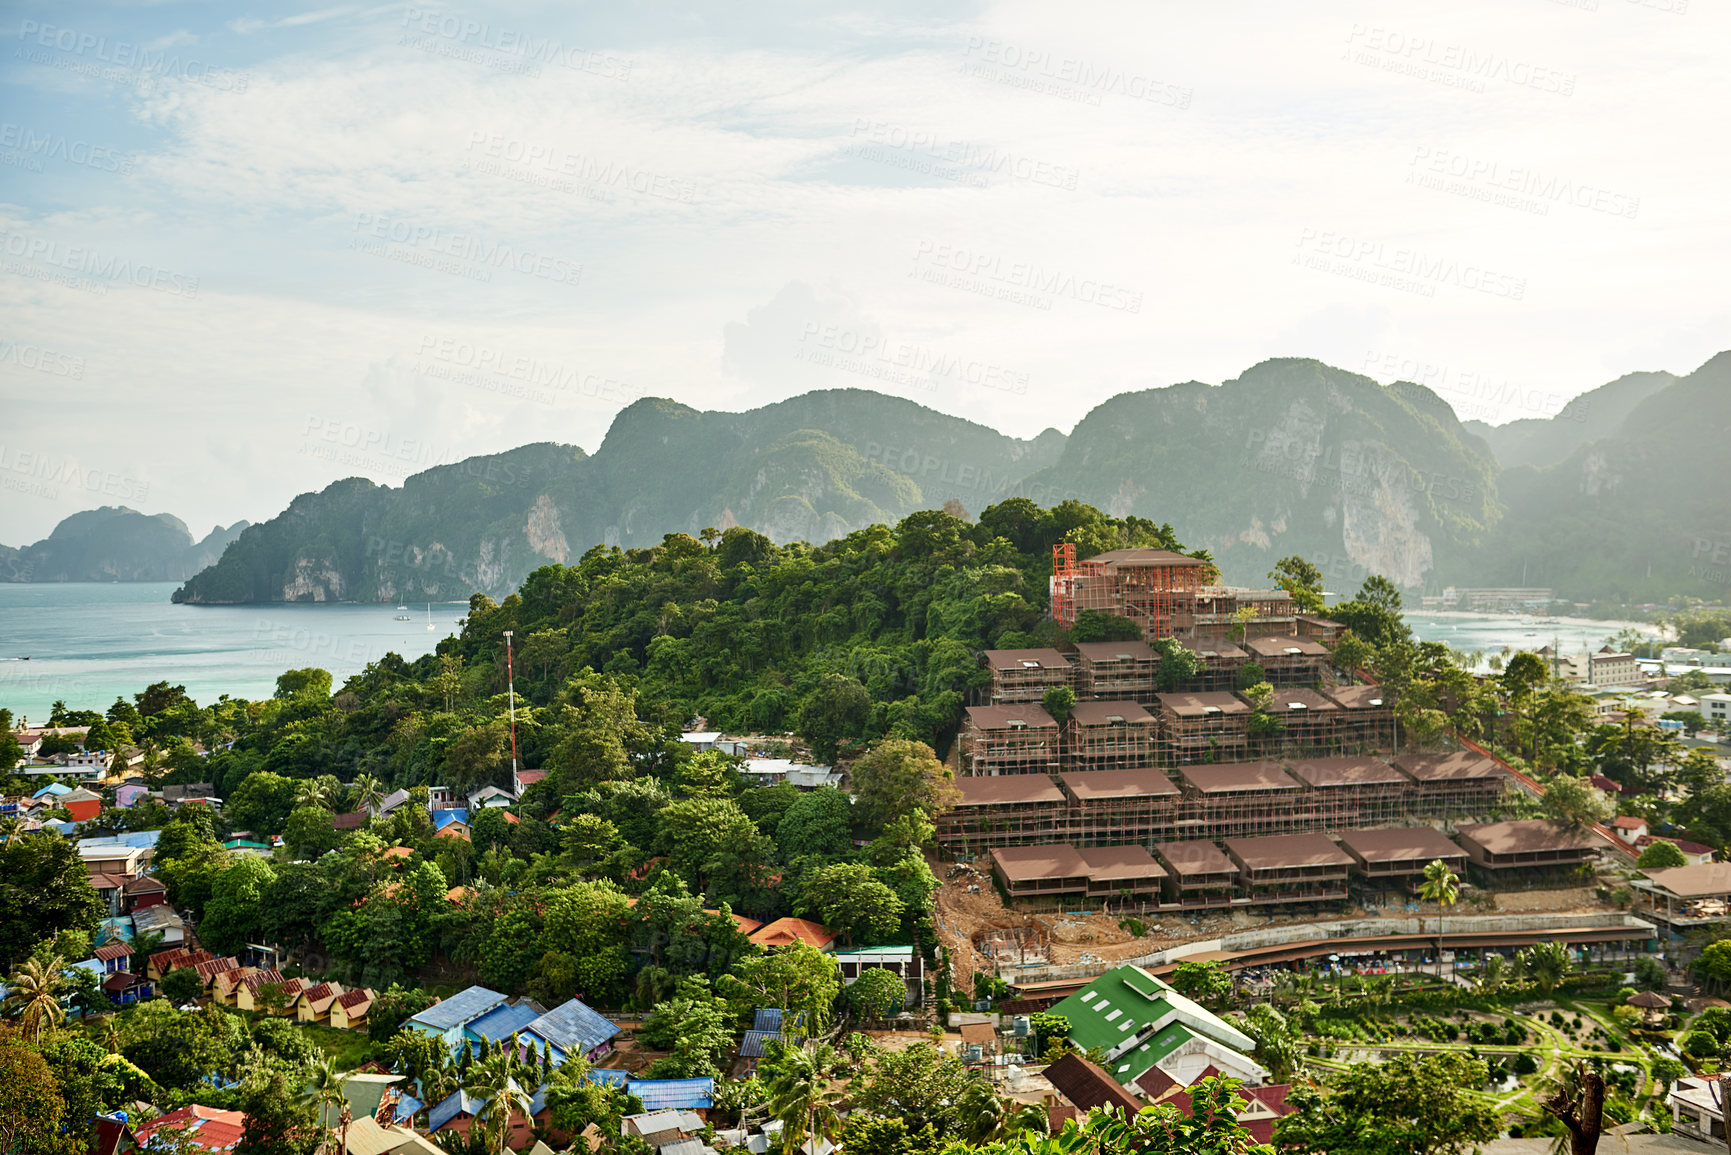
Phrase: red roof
x=320 y=993
x=352 y=999
x=530 y=777
x=102 y=881
x=112 y=951
x=208 y=1127
x=785 y=931
x=258 y=979
x=1625 y=822
x=210 y=968
x=120 y=980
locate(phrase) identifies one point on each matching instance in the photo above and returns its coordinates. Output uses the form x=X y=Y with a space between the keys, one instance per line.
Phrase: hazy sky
x=244 y=255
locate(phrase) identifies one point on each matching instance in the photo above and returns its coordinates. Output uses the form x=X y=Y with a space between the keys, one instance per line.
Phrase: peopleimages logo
x=102 y=267
x=84 y=52
x=462 y=247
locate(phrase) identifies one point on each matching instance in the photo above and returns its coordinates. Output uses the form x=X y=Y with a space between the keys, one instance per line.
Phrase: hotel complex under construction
x=1206 y=792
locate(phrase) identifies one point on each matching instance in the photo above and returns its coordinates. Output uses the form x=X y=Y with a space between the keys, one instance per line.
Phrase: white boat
x=404 y=618
x=429 y=615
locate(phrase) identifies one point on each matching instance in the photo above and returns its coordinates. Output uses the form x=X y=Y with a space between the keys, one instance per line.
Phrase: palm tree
x=36 y=985
x=982 y=1112
x=1547 y=963
x=11 y=826
x=1443 y=887
x=493 y=1080
x=144 y=944
x=796 y=1091
x=312 y=792
x=1495 y=973
x=366 y=792
x=325 y=1091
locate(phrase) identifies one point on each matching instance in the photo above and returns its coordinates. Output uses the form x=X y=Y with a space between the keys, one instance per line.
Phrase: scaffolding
x=1026 y=675
x=1239 y=799
x=1109 y=736
x=1289 y=661
x=1207 y=727
x=1198 y=876
x=1116 y=670
x=1008 y=811
x=1353 y=790
x=1309 y=724
x=1111 y=806
x=1019 y=739
x=1155 y=588
x=1453 y=785
x=1221 y=662
x=1366 y=718
x=1290 y=868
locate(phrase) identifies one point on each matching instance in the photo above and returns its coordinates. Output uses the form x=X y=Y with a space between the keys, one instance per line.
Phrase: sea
x=88 y=643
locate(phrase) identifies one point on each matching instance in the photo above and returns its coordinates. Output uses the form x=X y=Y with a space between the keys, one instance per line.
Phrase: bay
x=90 y=641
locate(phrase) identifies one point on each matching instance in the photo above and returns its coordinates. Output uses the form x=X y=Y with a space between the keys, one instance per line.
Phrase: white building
x=1716 y=708
x=1697 y=1108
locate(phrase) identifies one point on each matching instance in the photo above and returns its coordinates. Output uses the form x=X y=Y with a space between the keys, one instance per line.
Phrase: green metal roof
x=1129 y=1003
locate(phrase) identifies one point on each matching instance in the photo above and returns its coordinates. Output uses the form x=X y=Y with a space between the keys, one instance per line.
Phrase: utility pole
x=511 y=692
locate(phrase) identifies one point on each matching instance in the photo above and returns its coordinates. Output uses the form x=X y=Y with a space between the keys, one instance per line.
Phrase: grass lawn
x=348 y=1049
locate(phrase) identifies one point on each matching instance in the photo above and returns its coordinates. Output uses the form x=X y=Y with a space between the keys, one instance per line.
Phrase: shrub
x=1525 y=1064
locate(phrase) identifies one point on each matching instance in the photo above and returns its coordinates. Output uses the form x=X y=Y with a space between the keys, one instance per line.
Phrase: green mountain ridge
x=1589 y=417
x=1291 y=457
x=115 y=543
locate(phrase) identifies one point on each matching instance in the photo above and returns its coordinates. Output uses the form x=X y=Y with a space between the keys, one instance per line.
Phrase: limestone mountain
x=1541 y=441
x=115 y=543
x=1292 y=457
x=814 y=467
x=1642 y=514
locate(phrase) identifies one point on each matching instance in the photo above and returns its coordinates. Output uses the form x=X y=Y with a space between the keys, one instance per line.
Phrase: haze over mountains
x=115 y=543
x=1612 y=498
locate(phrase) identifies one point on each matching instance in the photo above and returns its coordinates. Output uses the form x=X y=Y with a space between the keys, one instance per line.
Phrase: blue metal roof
x=406 y=1108
x=766 y=1019
x=752 y=1046
x=52 y=788
x=501 y=1023
x=662 y=1094
x=458 y=1103
x=462 y=1007
x=574 y=1028
x=443 y=818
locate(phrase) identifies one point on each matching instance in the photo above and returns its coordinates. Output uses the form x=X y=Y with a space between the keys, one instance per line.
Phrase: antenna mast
x=511 y=690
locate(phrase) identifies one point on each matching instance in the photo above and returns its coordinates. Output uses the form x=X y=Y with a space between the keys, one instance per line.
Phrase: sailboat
x=429 y=615
x=404 y=617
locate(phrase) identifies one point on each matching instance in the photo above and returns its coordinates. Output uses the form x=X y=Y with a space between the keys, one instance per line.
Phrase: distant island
x=115 y=543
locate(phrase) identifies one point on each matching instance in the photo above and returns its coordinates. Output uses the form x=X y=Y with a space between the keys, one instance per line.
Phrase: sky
x=247 y=249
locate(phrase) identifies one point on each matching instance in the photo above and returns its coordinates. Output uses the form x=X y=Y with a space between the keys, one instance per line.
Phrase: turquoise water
x=88 y=642
x=1490 y=633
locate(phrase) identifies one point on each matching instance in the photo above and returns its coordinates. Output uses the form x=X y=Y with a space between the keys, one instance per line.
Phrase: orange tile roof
x=348 y=1000
x=208 y=1127
x=785 y=931
x=399 y=852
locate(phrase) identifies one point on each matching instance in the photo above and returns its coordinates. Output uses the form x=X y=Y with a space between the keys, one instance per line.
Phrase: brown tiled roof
x=1530 y=835
x=1115 y=651
x=1202 y=705
x=1116 y=559
x=1299 y=700
x=1091 y=785
x=102 y=881
x=1359 y=697
x=323 y=993
x=1287 y=850
x=349 y=1000
x=1053 y=860
x=1400 y=844
x=1446 y=767
x=1032 y=715
x=1353 y=770
x=530 y=777
x=1088 y=1086
x=144 y=884
x=1046 y=659
x=784 y=931
x=1237 y=776
x=1195 y=858
x=1213 y=648
x=1286 y=647
x=979 y=1034
x=112 y=951
x=1106 y=863
x=1005 y=789
x=349 y=821
x=1106 y=713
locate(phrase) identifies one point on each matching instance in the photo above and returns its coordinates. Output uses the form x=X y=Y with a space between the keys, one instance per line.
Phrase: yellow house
x=349 y=1010
x=223 y=988
x=315 y=1004
x=246 y=995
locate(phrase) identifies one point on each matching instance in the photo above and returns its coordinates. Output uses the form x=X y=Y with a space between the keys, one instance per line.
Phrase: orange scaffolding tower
x=1064 y=582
